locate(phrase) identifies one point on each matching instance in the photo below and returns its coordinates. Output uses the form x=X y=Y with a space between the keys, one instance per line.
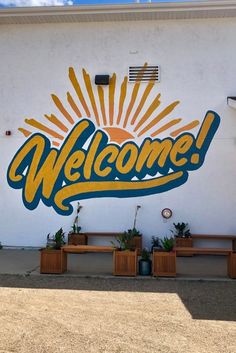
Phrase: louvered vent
x=144 y=74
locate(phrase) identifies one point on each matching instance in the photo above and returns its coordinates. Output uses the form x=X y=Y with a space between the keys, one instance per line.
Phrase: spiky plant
x=181 y=230
x=59 y=238
x=145 y=254
x=167 y=244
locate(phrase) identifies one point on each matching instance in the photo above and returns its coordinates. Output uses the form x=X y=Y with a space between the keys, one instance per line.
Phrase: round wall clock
x=166 y=213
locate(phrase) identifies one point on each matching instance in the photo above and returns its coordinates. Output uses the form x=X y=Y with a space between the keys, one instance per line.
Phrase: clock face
x=166 y=213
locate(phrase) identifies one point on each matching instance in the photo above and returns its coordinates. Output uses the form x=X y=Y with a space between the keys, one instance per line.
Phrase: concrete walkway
x=26 y=262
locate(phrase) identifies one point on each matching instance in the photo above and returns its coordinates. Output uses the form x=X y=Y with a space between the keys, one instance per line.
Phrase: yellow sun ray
x=53 y=119
x=159 y=117
x=62 y=109
x=102 y=104
x=112 y=87
x=25 y=132
x=189 y=126
x=89 y=88
x=166 y=127
x=44 y=128
x=78 y=91
x=134 y=96
x=154 y=105
x=142 y=102
x=131 y=104
x=123 y=91
x=73 y=105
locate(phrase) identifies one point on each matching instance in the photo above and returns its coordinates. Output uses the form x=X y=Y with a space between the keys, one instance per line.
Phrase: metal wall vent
x=144 y=74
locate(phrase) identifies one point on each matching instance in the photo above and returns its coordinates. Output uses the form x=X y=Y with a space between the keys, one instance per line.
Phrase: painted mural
x=104 y=142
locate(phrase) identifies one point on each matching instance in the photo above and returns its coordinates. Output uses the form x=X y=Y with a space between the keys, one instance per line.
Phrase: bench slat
x=86 y=248
x=103 y=234
x=213 y=237
x=204 y=251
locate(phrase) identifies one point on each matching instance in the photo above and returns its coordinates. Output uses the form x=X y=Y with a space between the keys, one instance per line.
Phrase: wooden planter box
x=184 y=242
x=136 y=243
x=53 y=261
x=125 y=263
x=164 y=264
x=77 y=239
x=232 y=265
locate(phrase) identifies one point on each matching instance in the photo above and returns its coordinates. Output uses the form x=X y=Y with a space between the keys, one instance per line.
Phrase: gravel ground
x=61 y=314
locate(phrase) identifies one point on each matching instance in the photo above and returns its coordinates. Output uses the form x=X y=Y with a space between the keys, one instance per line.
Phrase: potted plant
x=183 y=237
x=135 y=241
x=52 y=258
x=156 y=245
x=74 y=236
x=164 y=259
x=136 y=236
x=145 y=263
x=124 y=258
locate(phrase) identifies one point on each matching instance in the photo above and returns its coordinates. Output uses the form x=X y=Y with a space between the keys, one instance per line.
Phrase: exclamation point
x=206 y=125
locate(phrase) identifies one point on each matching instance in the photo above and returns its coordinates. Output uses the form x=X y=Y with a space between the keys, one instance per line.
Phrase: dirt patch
x=60 y=314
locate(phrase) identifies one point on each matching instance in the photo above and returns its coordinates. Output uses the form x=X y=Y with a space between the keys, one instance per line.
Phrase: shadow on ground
x=205 y=300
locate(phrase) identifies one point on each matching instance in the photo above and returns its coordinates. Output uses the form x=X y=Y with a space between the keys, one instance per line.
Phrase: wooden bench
x=79 y=249
x=216 y=237
x=231 y=263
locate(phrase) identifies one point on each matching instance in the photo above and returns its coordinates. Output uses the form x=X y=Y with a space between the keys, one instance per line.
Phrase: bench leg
x=64 y=261
x=234 y=245
x=232 y=265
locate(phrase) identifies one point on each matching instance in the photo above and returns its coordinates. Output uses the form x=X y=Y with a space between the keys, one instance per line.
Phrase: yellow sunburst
x=140 y=119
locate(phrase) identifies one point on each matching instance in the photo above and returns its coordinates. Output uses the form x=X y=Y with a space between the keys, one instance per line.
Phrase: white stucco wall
x=198 y=67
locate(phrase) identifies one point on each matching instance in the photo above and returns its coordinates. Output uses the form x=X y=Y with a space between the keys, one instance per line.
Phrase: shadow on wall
x=205 y=300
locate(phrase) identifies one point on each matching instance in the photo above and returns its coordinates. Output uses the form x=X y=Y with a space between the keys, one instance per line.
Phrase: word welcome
x=88 y=166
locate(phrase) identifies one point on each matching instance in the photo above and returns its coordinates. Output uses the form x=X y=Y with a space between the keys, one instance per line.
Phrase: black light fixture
x=102 y=79
x=231 y=101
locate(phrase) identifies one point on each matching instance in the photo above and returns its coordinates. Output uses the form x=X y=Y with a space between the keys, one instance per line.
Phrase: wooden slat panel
x=77 y=239
x=164 y=264
x=183 y=242
x=125 y=263
x=53 y=261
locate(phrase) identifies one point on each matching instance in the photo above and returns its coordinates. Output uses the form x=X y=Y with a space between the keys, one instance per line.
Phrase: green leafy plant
x=0 y=245
x=181 y=230
x=145 y=254
x=75 y=229
x=167 y=244
x=145 y=263
x=57 y=241
x=155 y=242
x=124 y=240
x=134 y=232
